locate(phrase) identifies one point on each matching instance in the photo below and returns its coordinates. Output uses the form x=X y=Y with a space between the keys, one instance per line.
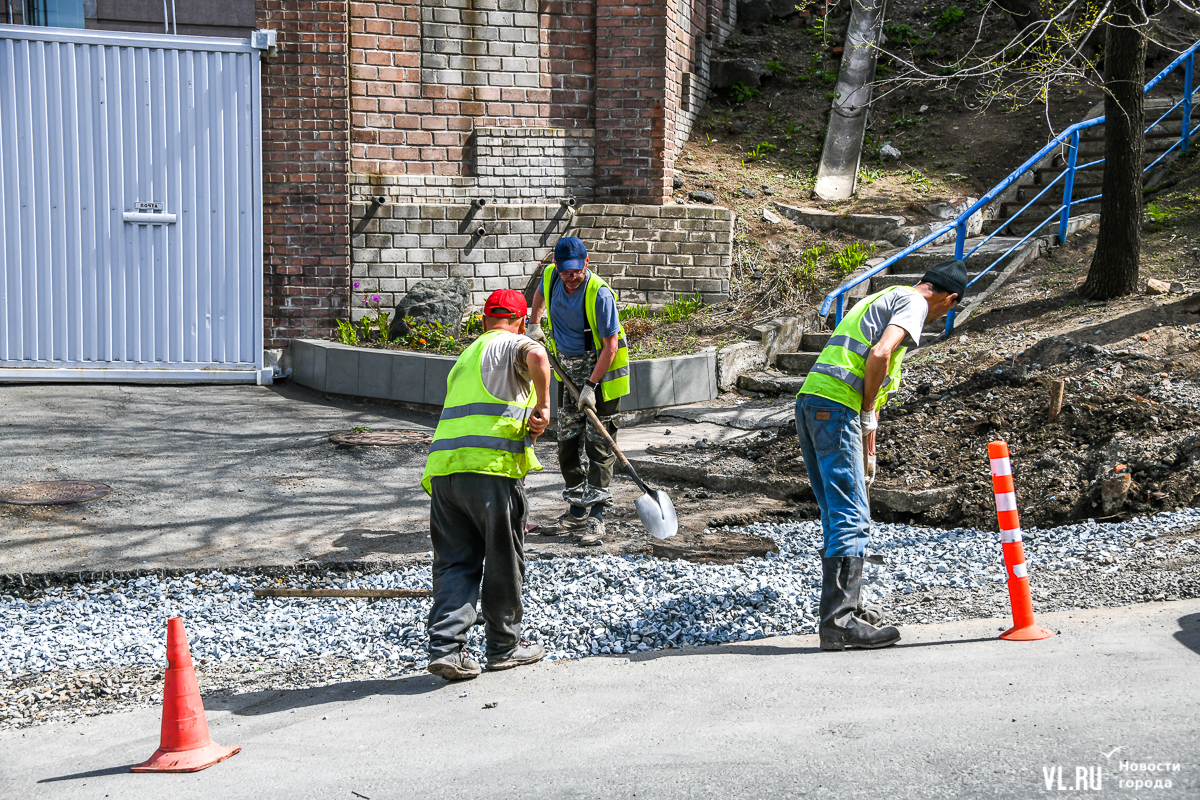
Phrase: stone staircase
x=997 y=217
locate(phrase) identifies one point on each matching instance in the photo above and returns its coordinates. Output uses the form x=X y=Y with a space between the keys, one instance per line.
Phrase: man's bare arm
x=877 y=363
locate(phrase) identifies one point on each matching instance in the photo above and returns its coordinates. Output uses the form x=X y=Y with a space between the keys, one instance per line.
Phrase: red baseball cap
x=505 y=303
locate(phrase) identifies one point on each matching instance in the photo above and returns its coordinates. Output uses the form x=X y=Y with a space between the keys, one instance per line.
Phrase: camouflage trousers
x=590 y=487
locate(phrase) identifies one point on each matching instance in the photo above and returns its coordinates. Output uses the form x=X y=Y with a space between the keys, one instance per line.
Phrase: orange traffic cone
x=184 y=745
x=1024 y=627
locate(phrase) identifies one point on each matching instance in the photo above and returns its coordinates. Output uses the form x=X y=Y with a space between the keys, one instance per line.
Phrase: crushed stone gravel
x=64 y=645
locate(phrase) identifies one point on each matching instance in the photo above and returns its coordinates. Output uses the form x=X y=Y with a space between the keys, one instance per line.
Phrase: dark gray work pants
x=477 y=524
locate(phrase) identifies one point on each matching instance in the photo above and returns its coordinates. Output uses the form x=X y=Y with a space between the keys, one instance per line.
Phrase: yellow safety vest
x=479 y=432
x=840 y=372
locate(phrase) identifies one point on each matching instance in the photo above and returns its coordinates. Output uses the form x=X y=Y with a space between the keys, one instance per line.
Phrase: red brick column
x=306 y=192
x=631 y=87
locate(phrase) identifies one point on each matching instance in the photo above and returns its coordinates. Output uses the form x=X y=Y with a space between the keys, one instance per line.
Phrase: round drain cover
x=379 y=438
x=51 y=493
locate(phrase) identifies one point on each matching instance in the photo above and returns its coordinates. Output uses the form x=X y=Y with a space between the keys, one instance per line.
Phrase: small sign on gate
x=150 y=206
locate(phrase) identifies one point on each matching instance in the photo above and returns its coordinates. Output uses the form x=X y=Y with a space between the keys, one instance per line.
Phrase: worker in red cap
x=497 y=404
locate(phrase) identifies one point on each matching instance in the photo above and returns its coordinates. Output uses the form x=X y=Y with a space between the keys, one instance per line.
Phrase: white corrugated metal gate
x=130 y=206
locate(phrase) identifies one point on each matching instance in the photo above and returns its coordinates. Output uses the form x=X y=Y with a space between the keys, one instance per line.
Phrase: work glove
x=870 y=463
x=534 y=331
x=587 y=397
x=869 y=421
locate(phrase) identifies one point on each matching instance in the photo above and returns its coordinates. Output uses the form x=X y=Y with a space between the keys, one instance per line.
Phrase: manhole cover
x=50 y=493
x=379 y=438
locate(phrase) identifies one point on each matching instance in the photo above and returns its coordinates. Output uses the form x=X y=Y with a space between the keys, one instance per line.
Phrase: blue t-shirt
x=568 y=317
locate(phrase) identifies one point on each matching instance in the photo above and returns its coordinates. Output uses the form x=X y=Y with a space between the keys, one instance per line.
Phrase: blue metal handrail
x=837 y=298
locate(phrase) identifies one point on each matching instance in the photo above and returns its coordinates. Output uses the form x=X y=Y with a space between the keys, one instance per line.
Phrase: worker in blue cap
x=584 y=332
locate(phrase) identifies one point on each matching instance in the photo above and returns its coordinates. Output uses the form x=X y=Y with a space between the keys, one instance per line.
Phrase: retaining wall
x=409 y=377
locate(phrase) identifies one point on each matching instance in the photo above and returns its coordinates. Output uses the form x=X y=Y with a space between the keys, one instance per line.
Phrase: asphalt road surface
x=952 y=713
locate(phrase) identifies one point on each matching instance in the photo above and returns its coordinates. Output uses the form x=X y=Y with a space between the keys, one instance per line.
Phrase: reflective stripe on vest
x=840 y=371
x=479 y=432
x=615 y=382
x=489 y=409
x=489 y=442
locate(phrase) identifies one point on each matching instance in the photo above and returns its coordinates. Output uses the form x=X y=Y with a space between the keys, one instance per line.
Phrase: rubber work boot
x=526 y=652
x=841 y=627
x=458 y=666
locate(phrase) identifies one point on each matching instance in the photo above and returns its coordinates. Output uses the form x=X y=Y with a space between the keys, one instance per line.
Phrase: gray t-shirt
x=905 y=309
x=505 y=367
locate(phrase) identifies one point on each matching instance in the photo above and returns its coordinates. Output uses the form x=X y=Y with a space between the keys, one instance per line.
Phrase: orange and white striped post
x=1024 y=628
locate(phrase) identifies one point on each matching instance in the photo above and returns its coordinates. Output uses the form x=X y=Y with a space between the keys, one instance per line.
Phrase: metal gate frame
x=52 y=317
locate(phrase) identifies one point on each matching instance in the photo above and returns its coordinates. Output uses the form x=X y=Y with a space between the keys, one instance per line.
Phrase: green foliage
x=347 y=333
x=851 y=257
x=948 y=20
x=931 y=53
x=901 y=34
x=791 y=130
x=682 y=308
x=741 y=92
x=473 y=326
x=914 y=177
x=633 y=312
x=829 y=78
x=902 y=119
x=776 y=68
x=759 y=151
x=867 y=175
x=805 y=270
x=1157 y=213
x=426 y=335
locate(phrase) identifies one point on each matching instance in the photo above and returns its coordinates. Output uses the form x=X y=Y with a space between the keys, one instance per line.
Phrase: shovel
x=654 y=508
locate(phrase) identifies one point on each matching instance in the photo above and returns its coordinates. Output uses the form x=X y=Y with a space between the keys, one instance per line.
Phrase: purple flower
x=374 y=298
x=356 y=284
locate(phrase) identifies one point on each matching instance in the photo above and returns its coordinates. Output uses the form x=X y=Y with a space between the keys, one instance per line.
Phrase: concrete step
x=795 y=363
x=880 y=282
x=927 y=257
x=814 y=342
x=770 y=382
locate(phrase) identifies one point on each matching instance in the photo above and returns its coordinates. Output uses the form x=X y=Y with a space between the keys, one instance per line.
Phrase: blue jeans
x=831 y=443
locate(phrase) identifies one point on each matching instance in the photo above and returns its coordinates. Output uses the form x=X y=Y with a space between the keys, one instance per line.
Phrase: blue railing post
x=1068 y=188
x=950 y=321
x=1188 y=67
x=960 y=239
x=841 y=307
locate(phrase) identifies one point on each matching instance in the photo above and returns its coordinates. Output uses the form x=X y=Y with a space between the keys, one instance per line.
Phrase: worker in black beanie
x=836 y=419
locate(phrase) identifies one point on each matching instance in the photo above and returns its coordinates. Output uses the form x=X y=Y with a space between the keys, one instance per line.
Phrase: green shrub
x=759 y=151
x=851 y=257
x=633 y=312
x=741 y=92
x=948 y=20
x=776 y=68
x=682 y=308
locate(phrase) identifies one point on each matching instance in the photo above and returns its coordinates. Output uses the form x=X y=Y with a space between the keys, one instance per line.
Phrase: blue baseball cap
x=569 y=253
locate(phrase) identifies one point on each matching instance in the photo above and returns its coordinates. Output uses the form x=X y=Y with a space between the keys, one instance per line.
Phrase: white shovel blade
x=657 y=514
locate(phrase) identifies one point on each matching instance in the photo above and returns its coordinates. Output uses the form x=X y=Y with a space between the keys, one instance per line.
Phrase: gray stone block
x=341 y=370
x=656 y=383
x=437 y=370
x=407 y=378
x=375 y=373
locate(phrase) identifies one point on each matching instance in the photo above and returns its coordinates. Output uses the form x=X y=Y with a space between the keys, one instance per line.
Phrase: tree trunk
x=1114 y=270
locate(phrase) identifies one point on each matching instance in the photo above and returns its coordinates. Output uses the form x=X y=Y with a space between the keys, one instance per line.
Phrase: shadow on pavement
x=748 y=649
x=1188 y=634
x=95 y=773
x=269 y=701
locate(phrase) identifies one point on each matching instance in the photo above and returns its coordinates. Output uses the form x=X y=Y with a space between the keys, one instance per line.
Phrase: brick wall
x=650 y=254
x=654 y=254
x=399 y=245
x=306 y=237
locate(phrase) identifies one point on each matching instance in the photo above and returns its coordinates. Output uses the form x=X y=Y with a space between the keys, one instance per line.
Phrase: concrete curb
x=408 y=377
